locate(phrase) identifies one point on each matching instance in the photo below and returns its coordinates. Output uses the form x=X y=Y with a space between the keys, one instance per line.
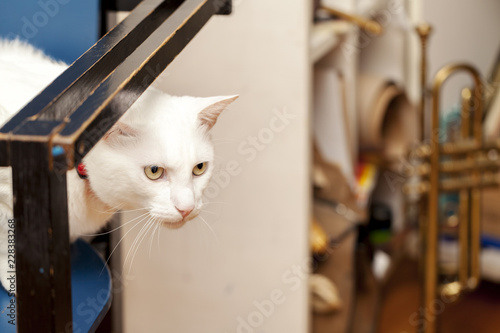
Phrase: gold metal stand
x=463 y=167
x=371 y=26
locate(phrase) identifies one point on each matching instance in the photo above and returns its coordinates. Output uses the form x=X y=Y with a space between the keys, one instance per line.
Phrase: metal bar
x=369 y=25
x=469 y=165
x=430 y=275
x=456 y=166
x=464 y=199
x=475 y=238
x=224 y=7
x=463 y=237
x=72 y=87
x=120 y=89
x=423 y=30
x=475 y=193
x=120 y=5
x=455 y=184
x=90 y=102
x=60 y=256
x=458 y=148
x=42 y=240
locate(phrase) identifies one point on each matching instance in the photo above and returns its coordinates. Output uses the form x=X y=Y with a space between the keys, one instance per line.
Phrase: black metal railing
x=60 y=126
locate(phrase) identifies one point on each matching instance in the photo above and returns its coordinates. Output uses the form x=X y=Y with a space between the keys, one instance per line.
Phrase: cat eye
x=200 y=168
x=153 y=172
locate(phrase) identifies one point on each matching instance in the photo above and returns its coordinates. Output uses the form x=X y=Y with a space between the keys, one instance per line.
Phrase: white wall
x=197 y=280
x=463 y=31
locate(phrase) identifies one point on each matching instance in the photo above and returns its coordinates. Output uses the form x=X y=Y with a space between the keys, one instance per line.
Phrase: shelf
x=90 y=288
x=325 y=36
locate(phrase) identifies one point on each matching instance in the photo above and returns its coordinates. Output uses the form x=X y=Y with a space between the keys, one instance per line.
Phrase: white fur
x=164 y=130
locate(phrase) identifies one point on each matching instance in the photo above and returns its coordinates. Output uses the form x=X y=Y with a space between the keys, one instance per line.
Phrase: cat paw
x=8 y=280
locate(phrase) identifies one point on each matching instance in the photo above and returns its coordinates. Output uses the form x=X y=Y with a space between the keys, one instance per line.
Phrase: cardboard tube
x=387 y=120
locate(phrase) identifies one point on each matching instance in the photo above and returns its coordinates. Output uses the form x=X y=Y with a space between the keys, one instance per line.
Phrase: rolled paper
x=386 y=117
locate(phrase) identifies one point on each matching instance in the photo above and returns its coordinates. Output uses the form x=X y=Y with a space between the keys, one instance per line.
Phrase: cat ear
x=208 y=116
x=119 y=133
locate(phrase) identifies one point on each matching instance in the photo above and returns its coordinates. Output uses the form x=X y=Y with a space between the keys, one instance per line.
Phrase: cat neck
x=87 y=213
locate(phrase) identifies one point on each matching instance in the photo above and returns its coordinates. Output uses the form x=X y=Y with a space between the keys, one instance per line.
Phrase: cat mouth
x=174 y=225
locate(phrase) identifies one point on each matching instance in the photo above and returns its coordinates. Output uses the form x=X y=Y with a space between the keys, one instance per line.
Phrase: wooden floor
x=476 y=312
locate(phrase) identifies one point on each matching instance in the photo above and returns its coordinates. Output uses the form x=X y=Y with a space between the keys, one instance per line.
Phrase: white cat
x=157 y=159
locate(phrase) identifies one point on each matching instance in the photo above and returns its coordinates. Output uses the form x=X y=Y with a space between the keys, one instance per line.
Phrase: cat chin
x=180 y=223
x=174 y=225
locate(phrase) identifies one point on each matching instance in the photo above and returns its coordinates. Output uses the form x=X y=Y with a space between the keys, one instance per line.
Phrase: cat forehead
x=168 y=127
x=175 y=149
x=178 y=137
x=171 y=123
x=155 y=104
x=172 y=128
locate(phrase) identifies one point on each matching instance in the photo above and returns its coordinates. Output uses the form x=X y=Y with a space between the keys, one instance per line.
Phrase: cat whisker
x=151 y=235
x=136 y=239
x=210 y=228
x=117 y=244
x=150 y=225
x=210 y=212
x=155 y=229
x=158 y=238
x=134 y=210
x=111 y=209
x=117 y=208
x=215 y=202
x=120 y=226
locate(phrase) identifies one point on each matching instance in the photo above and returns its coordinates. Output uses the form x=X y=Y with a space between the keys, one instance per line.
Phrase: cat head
x=158 y=158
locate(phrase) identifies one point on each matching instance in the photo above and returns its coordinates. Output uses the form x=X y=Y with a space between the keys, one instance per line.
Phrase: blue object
x=490 y=241
x=90 y=287
x=57 y=151
x=64 y=29
x=486 y=240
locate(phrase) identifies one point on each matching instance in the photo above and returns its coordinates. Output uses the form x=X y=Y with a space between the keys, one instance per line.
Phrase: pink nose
x=186 y=212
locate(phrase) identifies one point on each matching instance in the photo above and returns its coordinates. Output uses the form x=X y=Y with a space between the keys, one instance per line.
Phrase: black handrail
x=60 y=126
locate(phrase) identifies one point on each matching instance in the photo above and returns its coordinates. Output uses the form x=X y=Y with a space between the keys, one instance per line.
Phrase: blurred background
x=313 y=220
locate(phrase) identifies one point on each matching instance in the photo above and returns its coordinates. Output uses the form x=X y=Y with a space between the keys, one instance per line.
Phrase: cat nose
x=184 y=212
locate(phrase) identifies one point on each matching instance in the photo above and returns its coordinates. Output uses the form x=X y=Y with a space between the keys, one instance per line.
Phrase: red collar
x=82 y=172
